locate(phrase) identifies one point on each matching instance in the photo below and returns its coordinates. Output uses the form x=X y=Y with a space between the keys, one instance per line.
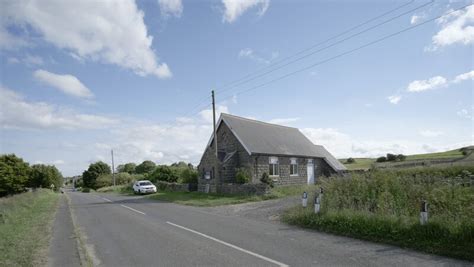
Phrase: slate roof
x=265 y=138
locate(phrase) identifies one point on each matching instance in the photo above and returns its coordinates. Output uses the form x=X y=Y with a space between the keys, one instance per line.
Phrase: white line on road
x=133 y=209
x=106 y=199
x=230 y=245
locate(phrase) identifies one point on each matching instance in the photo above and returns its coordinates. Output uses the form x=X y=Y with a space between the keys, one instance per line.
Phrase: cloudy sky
x=363 y=78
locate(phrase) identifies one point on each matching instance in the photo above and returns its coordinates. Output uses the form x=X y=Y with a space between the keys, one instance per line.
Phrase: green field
x=384 y=205
x=25 y=227
x=365 y=163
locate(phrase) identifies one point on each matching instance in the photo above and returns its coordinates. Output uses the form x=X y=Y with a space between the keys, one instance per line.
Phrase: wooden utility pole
x=214 y=122
x=113 y=167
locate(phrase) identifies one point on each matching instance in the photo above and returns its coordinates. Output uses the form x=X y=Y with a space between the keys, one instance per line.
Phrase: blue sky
x=81 y=78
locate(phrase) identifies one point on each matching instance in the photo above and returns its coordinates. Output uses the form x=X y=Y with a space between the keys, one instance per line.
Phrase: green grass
x=119 y=189
x=383 y=206
x=25 y=227
x=207 y=200
x=365 y=163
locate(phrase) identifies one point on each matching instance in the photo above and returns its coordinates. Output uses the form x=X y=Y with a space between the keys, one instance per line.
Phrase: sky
x=362 y=78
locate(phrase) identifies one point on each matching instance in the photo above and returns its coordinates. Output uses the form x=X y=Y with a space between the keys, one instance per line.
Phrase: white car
x=144 y=186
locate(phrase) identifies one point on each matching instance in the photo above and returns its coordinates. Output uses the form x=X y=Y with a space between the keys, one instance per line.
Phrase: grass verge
x=119 y=189
x=207 y=200
x=435 y=237
x=25 y=227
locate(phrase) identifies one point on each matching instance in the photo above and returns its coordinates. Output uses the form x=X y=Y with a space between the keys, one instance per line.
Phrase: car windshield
x=145 y=183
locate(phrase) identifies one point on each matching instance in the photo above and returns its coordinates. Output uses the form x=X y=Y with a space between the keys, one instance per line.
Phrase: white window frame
x=275 y=165
x=294 y=162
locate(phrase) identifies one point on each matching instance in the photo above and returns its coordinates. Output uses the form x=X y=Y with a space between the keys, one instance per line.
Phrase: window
x=274 y=168
x=293 y=167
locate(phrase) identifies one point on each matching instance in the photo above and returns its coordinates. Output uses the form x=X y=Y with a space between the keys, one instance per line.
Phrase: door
x=310 y=171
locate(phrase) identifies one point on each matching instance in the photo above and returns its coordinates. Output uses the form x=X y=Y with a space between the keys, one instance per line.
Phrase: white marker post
x=424 y=213
x=317 y=203
x=304 y=199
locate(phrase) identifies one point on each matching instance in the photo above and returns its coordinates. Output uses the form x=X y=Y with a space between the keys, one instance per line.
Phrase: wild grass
x=119 y=189
x=384 y=206
x=25 y=226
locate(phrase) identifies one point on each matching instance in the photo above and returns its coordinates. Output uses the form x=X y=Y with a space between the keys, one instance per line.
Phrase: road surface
x=135 y=231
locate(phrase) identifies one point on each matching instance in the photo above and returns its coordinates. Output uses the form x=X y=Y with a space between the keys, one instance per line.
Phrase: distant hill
x=366 y=163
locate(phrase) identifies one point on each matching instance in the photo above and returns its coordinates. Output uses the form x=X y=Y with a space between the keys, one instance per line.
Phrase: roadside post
x=304 y=199
x=424 y=212
x=321 y=192
x=317 y=203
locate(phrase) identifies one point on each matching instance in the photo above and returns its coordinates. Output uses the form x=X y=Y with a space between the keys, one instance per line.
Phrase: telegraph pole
x=214 y=121
x=113 y=167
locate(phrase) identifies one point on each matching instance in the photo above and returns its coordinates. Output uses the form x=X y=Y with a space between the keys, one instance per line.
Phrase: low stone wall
x=242 y=189
x=175 y=187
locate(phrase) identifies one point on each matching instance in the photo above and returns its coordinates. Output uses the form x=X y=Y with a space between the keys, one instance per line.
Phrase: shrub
x=145 y=167
x=96 y=169
x=189 y=176
x=242 y=176
x=350 y=160
x=163 y=173
x=401 y=157
x=381 y=159
x=86 y=190
x=391 y=157
x=266 y=179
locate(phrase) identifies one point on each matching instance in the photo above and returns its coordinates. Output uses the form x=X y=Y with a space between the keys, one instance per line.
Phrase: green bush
x=242 y=176
x=350 y=161
x=189 y=176
x=163 y=173
x=14 y=175
x=266 y=179
x=85 y=190
x=381 y=159
x=95 y=170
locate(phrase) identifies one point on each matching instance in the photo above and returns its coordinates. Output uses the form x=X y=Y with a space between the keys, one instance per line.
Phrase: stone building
x=284 y=153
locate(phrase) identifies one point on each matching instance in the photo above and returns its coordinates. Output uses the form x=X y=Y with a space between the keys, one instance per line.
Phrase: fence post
x=317 y=203
x=304 y=199
x=424 y=212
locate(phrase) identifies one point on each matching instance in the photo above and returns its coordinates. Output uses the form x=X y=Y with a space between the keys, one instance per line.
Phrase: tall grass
x=385 y=205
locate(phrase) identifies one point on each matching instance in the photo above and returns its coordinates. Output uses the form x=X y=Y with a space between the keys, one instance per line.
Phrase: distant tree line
x=99 y=174
x=391 y=157
x=16 y=175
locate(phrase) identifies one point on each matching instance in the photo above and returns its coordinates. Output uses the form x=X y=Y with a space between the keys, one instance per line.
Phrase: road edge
x=86 y=253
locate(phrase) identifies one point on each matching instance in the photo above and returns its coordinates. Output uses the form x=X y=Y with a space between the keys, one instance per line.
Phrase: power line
x=349 y=51
x=326 y=47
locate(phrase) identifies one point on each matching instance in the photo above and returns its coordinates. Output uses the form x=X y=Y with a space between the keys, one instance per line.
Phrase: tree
x=90 y=176
x=242 y=176
x=127 y=167
x=401 y=157
x=350 y=160
x=391 y=157
x=189 y=176
x=145 y=167
x=45 y=175
x=14 y=174
x=381 y=159
x=163 y=173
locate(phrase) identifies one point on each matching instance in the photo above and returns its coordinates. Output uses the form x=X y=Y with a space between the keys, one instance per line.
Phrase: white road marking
x=106 y=199
x=133 y=209
x=230 y=245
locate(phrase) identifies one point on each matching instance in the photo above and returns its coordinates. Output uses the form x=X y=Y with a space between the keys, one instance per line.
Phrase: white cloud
x=171 y=7
x=9 y=41
x=66 y=83
x=206 y=114
x=107 y=31
x=415 y=19
x=456 y=28
x=16 y=112
x=394 y=99
x=466 y=114
x=257 y=57
x=430 y=133
x=235 y=8
x=284 y=121
x=342 y=145
x=465 y=76
x=423 y=85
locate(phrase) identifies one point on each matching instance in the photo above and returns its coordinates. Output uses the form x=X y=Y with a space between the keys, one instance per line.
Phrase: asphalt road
x=133 y=231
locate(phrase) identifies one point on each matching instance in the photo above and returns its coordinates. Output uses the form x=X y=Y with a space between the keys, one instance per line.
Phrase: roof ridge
x=256 y=121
